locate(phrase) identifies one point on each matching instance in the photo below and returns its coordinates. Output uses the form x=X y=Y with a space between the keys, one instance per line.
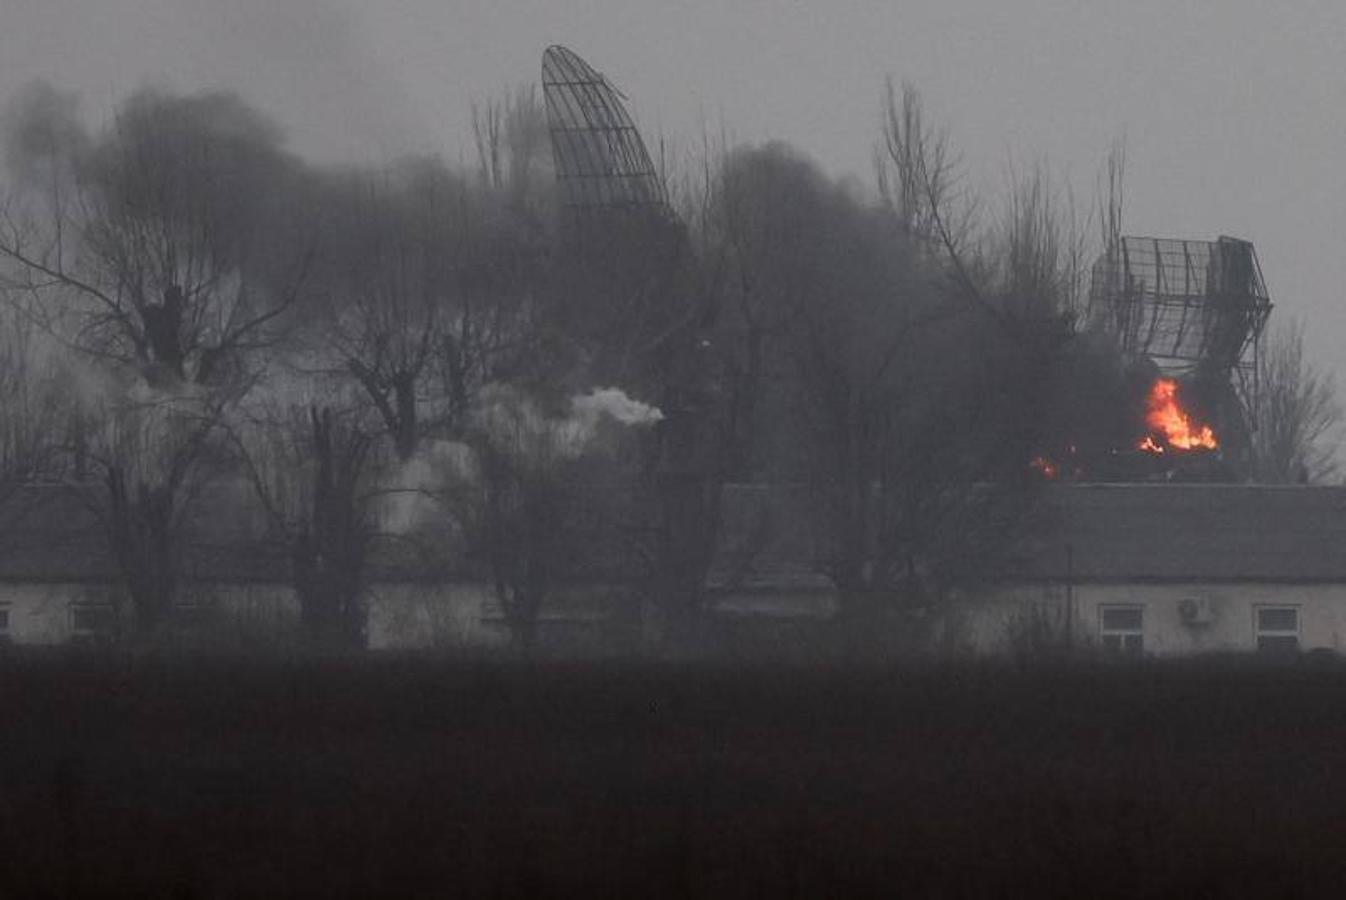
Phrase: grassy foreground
x=383 y=777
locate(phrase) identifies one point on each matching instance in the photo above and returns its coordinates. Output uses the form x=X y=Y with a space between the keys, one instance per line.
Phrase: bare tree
x=431 y=287
x=152 y=452
x=513 y=156
x=152 y=248
x=522 y=521
x=621 y=302
x=393 y=243
x=640 y=300
x=32 y=412
x=1042 y=250
x=1031 y=303
x=145 y=243
x=866 y=374
x=1025 y=275
x=514 y=496
x=1298 y=414
x=1029 y=267
x=314 y=469
x=919 y=179
x=1113 y=191
x=917 y=173
x=535 y=489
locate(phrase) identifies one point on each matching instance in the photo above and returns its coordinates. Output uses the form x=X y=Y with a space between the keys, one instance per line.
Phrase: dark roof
x=769 y=537
x=1188 y=532
x=49 y=533
x=55 y=533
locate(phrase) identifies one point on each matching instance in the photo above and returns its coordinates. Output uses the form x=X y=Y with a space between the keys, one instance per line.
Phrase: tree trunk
x=689 y=530
x=521 y=608
x=141 y=532
x=405 y=424
x=329 y=601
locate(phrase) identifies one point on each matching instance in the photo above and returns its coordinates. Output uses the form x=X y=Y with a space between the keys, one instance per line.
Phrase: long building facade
x=1127 y=570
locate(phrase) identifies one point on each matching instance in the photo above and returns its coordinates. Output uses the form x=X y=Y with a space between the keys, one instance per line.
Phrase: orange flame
x=1044 y=466
x=1171 y=424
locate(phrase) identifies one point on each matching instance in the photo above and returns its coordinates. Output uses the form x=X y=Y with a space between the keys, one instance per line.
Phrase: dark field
x=412 y=778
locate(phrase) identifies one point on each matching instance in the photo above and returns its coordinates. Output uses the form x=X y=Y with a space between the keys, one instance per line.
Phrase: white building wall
x=40 y=613
x=401 y=616
x=1004 y=621
x=246 y=614
x=425 y=616
x=43 y=613
x=992 y=624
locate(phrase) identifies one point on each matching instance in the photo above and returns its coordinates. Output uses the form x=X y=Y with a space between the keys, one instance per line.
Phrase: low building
x=60 y=584
x=1170 y=570
x=1132 y=570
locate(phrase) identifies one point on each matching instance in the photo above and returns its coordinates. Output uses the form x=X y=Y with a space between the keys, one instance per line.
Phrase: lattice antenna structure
x=1196 y=308
x=601 y=161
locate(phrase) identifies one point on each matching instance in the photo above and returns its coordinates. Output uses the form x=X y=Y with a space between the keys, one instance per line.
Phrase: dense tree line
x=375 y=353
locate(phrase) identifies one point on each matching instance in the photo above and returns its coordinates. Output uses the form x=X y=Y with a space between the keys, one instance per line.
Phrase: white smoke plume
x=513 y=420
x=515 y=424
x=613 y=402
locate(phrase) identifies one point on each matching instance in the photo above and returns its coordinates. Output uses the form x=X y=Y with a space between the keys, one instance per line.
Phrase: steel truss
x=1196 y=308
x=601 y=161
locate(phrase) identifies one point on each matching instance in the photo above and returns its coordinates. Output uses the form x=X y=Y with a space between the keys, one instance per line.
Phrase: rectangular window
x=1122 y=629
x=92 y=619
x=1277 y=629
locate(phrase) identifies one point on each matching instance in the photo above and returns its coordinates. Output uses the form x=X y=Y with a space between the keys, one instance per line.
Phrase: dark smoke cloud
x=41 y=123
x=301 y=61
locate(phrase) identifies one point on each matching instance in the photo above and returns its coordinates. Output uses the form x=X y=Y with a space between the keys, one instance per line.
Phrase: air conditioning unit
x=1196 y=611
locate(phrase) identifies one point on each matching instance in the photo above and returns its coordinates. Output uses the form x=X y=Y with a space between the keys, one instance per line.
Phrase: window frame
x=1276 y=636
x=1130 y=641
x=79 y=633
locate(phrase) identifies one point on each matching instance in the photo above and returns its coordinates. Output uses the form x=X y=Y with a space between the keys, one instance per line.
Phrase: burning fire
x=1171 y=424
x=1044 y=466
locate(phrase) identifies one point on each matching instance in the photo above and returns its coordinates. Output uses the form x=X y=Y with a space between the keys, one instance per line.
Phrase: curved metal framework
x=601 y=162
x=1193 y=307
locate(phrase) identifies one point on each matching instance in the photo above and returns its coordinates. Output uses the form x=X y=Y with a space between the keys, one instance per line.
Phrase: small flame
x=1171 y=424
x=1043 y=466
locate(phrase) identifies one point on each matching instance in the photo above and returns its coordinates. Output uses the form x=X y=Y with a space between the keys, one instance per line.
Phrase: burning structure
x=1188 y=317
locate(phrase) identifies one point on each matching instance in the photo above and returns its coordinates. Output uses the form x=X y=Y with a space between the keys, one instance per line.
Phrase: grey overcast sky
x=1234 y=111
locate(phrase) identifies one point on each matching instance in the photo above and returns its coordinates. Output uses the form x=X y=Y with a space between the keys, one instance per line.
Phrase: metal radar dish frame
x=1195 y=308
x=601 y=161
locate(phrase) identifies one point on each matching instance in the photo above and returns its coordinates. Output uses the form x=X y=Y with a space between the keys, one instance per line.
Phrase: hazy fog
x=1232 y=111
